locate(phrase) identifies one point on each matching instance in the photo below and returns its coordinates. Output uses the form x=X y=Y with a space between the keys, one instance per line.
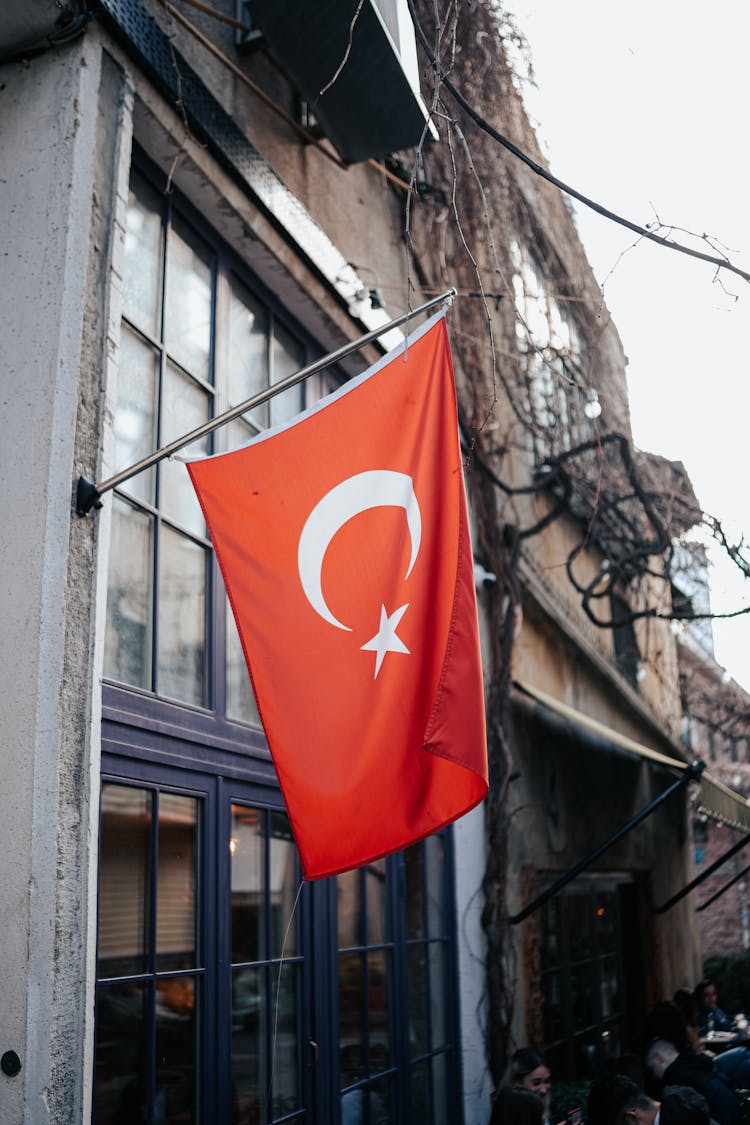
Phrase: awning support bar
x=691 y=773
x=88 y=495
x=726 y=887
x=703 y=875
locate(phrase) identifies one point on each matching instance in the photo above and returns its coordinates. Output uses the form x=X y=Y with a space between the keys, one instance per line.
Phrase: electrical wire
x=56 y=38
x=482 y=123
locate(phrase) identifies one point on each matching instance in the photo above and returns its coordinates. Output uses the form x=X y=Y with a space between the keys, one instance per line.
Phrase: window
x=386 y=985
x=195 y=340
x=151 y=964
x=228 y=992
x=582 y=993
x=554 y=361
x=627 y=656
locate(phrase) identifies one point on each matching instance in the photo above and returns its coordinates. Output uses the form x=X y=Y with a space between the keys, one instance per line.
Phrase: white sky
x=644 y=107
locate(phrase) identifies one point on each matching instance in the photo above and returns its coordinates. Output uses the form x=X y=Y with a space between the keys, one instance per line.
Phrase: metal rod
x=691 y=774
x=88 y=494
x=703 y=875
x=721 y=891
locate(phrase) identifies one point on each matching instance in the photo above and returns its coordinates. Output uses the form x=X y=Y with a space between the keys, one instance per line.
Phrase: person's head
x=659 y=1056
x=680 y=1105
x=615 y=1099
x=528 y=1069
x=515 y=1105
x=705 y=994
x=666 y=1021
x=684 y=999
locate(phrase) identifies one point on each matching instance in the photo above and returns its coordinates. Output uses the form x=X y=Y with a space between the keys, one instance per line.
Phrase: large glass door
x=200 y=1015
x=152 y=956
x=229 y=993
x=266 y=966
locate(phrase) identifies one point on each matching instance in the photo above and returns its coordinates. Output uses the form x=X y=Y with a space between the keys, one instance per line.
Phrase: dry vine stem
x=526 y=369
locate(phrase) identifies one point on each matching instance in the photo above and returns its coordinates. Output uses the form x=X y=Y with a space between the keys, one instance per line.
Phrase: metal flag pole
x=89 y=495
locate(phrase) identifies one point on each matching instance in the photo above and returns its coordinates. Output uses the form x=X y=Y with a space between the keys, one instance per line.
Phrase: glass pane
x=176 y=878
x=605 y=921
x=414 y=861
x=175 y=1070
x=141 y=287
x=119 y=1069
x=182 y=618
x=287 y=357
x=438 y=1022
x=128 y=635
x=366 y=1105
x=381 y=1106
x=434 y=859
x=284 y=885
x=420 y=1093
x=581 y=997
x=351 y=1070
x=248 y=352
x=551 y=948
x=379 y=1026
x=248 y=1046
x=552 y=1007
x=241 y=703
x=187 y=323
x=239 y=433
x=286 y=1070
x=609 y=984
x=124 y=880
x=578 y=920
x=350 y=915
x=135 y=413
x=247 y=884
x=417 y=999
x=351 y=1003
x=374 y=876
x=185 y=407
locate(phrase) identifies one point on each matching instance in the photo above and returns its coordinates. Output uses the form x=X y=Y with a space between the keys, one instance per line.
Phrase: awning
x=716 y=799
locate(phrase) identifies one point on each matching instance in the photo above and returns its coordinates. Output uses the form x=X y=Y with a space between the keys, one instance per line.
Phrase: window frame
x=122 y=700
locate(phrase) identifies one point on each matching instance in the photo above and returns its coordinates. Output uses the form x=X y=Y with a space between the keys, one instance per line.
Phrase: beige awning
x=716 y=799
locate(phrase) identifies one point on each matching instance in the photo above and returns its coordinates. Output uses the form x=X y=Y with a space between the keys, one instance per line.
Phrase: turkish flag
x=344 y=543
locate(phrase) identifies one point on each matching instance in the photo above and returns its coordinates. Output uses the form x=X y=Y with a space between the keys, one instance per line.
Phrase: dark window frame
x=564 y=1052
x=226 y=265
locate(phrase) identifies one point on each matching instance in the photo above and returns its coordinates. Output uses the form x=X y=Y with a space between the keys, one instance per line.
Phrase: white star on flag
x=385 y=640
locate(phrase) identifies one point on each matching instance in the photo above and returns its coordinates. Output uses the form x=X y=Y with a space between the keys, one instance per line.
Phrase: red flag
x=344 y=544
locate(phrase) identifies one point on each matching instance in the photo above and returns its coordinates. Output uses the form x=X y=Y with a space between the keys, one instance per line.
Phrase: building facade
x=174 y=243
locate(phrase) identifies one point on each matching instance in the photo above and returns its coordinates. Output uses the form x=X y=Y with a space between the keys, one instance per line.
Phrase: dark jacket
x=697 y=1071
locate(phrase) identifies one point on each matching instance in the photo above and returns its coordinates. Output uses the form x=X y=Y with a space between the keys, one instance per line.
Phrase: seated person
x=527 y=1068
x=734 y=1064
x=614 y=1099
x=673 y=1062
x=710 y=1015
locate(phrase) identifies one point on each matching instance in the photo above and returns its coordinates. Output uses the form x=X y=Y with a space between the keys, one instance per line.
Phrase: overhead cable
x=644 y=232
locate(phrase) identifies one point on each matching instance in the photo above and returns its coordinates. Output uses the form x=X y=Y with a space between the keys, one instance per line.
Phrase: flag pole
x=89 y=495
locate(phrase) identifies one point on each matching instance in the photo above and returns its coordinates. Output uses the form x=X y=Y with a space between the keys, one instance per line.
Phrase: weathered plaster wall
x=53 y=156
x=469 y=837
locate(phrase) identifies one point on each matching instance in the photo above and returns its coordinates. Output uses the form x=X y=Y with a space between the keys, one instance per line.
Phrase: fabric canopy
x=716 y=799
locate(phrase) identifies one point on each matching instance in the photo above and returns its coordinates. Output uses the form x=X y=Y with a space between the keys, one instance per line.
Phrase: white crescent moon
x=373 y=489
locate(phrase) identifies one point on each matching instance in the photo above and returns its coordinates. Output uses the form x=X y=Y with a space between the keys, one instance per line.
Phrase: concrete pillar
x=55 y=117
